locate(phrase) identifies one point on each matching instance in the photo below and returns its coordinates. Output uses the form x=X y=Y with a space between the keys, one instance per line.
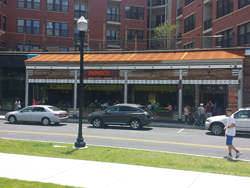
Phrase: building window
x=187 y=2
x=189 y=23
x=113 y=14
x=189 y=45
x=80 y=9
x=28 y=26
x=57 y=5
x=157 y=2
x=243 y=3
x=136 y=13
x=113 y=34
x=135 y=34
x=27 y=47
x=224 y=7
x=29 y=4
x=244 y=34
x=226 y=39
x=57 y=29
x=4 y=22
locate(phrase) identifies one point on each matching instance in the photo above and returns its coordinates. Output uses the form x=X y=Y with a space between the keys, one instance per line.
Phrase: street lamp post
x=82 y=26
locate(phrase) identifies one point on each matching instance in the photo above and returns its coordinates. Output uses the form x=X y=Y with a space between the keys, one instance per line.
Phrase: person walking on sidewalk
x=230 y=132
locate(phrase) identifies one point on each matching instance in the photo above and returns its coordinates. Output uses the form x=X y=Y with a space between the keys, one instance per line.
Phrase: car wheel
x=12 y=119
x=217 y=129
x=97 y=123
x=45 y=121
x=135 y=124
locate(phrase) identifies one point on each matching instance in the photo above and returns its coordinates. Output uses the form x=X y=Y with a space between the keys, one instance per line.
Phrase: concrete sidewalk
x=91 y=174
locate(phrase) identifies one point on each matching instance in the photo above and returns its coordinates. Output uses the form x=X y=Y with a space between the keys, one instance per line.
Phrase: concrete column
x=27 y=87
x=197 y=95
x=240 y=89
x=125 y=86
x=180 y=86
x=75 y=92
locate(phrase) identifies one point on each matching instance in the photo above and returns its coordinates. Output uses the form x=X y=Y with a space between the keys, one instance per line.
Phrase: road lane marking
x=180 y=131
x=124 y=139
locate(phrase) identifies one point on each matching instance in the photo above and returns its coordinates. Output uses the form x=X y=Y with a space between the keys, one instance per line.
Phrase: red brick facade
x=97 y=18
x=231 y=20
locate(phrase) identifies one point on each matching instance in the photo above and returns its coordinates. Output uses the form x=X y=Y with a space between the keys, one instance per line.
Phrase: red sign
x=99 y=73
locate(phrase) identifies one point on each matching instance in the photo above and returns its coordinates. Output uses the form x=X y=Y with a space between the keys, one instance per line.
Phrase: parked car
x=216 y=124
x=134 y=115
x=44 y=114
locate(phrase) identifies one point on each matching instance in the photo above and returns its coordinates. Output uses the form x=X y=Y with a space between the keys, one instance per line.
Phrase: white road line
x=180 y=131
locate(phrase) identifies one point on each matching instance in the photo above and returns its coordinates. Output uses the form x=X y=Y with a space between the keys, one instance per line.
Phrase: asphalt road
x=188 y=141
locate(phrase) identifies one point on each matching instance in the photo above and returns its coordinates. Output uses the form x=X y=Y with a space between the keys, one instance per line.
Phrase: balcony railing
x=207 y=24
x=114 y=42
x=179 y=11
x=179 y=37
x=113 y=17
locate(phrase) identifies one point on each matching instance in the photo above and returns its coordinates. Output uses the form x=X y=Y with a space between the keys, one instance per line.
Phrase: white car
x=216 y=124
x=44 y=114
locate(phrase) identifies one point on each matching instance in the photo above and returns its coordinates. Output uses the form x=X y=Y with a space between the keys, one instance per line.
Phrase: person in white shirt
x=230 y=132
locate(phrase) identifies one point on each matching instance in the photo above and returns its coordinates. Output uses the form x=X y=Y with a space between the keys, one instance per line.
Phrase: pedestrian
x=201 y=115
x=17 y=104
x=230 y=132
x=187 y=111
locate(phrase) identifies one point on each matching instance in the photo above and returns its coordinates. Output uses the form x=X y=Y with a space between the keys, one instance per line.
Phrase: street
x=188 y=141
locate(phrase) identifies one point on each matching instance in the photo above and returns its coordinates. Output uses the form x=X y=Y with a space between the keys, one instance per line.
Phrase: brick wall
x=246 y=82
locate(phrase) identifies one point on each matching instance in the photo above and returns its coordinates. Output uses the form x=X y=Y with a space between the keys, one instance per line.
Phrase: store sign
x=99 y=73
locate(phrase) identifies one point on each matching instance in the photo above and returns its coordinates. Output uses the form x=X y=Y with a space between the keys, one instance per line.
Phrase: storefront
x=163 y=79
x=12 y=80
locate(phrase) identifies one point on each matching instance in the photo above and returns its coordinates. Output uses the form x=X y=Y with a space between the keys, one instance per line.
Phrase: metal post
x=125 y=86
x=240 y=89
x=27 y=88
x=75 y=94
x=197 y=95
x=80 y=141
x=180 y=96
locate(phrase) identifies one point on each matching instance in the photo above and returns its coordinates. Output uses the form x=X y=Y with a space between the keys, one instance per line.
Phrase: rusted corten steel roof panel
x=138 y=57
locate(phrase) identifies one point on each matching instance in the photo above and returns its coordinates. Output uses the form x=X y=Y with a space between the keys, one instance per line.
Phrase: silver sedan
x=44 y=114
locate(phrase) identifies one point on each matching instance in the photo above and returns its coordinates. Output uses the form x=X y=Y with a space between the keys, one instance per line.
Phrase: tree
x=164 y=32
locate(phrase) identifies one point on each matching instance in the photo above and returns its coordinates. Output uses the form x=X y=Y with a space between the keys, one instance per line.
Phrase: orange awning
x=137 y=57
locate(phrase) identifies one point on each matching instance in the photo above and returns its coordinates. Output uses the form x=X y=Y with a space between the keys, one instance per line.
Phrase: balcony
x=158 y=3
x=179 y=37
x=113 y=17
x=207 y=24
x=179 y=11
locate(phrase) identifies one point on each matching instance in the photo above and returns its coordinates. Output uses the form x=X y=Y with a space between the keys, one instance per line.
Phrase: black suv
x=121 y=114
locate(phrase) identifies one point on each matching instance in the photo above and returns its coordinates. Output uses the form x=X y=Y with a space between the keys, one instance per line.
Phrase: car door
x=126 y=113
x=25 y=114
x=242 y=119
x=38 y=113
x=110 y=115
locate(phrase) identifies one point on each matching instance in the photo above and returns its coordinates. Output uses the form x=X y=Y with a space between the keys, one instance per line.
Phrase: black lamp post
x=82 y=26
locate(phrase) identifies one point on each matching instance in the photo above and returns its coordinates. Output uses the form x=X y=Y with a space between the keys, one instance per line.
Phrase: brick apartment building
x=2 y=23
x=211 y=23
x=50 y=25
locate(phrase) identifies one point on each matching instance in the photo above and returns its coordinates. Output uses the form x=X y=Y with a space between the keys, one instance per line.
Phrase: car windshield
x=53 y=108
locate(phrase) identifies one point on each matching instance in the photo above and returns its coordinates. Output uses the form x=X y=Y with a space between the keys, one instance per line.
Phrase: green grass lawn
x=127 y=156
x=11 y=183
